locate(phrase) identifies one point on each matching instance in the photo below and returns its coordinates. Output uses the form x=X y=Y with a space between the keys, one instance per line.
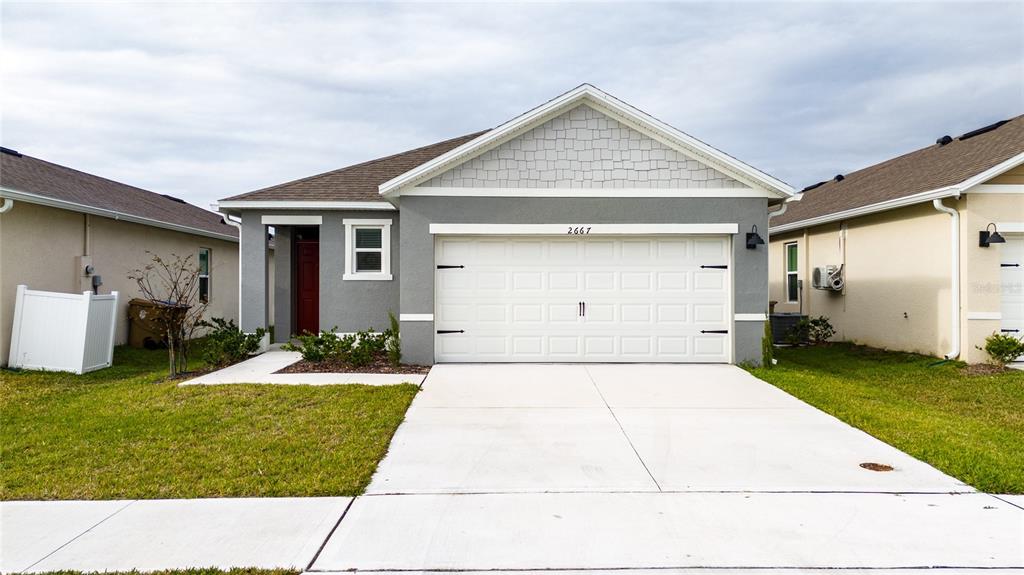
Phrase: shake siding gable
x=583 y=148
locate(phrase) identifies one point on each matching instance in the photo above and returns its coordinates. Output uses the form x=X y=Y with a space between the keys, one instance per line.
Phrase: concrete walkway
x=262 y=368
x=148 y=535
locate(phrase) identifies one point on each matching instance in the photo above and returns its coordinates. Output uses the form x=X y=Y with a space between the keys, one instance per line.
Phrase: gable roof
x=357 y=183
x=944 y=169
x=606 y=104
x=32 y=180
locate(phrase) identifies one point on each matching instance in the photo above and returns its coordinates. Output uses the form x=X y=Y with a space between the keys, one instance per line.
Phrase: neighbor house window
x=368 y=249
x=792 y=273
x=204 y=275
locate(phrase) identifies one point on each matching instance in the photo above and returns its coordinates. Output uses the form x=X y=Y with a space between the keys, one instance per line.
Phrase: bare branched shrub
x=172 y=285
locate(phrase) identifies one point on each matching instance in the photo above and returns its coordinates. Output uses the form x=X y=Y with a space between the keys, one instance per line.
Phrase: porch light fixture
x=985 y=237
x=754 y=240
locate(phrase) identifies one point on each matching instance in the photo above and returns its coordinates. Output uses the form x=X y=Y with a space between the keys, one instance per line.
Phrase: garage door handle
x=444 y=331
x=714 y=267
x=450 y=267
x=714 y=331
x=1009 y=265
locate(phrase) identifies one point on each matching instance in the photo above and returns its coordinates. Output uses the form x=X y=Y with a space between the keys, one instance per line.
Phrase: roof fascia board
x=946 y=192
x=115 y=215
x=300 y=205
x=605 y=103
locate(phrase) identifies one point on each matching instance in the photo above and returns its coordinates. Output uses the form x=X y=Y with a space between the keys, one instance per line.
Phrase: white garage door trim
x=696 y=294
x=581 y=229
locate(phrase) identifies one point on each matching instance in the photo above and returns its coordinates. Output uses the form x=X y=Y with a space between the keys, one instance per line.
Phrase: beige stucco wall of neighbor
x=39 y=246
x=980 y=271
x=898 y=264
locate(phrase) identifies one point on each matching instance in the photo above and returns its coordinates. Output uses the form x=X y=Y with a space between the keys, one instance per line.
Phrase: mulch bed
x=379 y=365
x=983 y=369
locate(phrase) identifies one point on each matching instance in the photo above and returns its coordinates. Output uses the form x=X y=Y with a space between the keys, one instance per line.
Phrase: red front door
x=307 y=286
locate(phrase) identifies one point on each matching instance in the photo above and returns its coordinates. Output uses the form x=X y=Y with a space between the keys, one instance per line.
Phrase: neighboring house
x=55 y=222
x=582 y=230
x=906 y=235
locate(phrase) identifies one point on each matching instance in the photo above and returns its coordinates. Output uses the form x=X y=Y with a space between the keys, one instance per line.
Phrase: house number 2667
x=578 y=230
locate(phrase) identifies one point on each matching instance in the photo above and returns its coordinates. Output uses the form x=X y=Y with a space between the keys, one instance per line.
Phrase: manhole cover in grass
x=876 y=466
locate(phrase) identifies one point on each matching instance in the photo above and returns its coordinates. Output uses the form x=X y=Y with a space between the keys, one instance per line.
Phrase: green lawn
x=971 y=427
x=123 y=432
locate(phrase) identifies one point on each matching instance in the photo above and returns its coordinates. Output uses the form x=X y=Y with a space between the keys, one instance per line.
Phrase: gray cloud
x=209 y=100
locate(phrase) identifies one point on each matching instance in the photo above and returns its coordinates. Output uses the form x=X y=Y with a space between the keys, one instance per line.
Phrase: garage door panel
x=647 y=299
x=1012 y=286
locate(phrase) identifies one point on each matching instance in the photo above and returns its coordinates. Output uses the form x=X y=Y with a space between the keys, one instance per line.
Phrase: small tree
x=172 y=285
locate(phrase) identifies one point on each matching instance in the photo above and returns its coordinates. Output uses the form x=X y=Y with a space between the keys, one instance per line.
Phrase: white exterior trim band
x=300 y=205
x=984 y=315
x=1010 y=227
x=416 y=317
x=591 y=192
x=750 y=317
x=292 y=220
x=121 y=216
x=582 y=229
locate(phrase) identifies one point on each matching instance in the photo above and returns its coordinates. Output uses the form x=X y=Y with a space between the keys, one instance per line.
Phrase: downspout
x=6 y=207
x=955 y=283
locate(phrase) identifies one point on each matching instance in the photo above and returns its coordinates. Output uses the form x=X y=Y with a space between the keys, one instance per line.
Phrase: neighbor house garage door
x=1012 y=280
x=592 y=299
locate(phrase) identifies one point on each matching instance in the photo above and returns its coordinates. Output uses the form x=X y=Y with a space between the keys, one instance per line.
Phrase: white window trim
x=796 y=272
x=350 y=244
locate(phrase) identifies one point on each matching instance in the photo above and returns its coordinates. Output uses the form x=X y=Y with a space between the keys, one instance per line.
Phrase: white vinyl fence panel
x=63 y=332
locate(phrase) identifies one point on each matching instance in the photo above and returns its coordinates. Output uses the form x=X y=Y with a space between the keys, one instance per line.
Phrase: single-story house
x=62 y=229
x=904 y=254
x=583 y=230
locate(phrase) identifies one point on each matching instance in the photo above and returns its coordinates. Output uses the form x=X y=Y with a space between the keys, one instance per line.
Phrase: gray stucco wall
x=282 y=283
x=355 y=305
x=750 y=267
x=252 y=245
x=583 y=148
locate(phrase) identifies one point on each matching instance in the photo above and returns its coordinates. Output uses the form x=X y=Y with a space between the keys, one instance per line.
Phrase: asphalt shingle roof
x=359 y=182
x=923 y=170
x=26 y=174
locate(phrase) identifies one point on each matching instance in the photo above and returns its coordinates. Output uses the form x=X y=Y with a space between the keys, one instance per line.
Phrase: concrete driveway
x=652 y=466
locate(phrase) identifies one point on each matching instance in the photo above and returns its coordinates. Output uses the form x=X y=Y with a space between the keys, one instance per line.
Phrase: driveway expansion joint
x=76 y=537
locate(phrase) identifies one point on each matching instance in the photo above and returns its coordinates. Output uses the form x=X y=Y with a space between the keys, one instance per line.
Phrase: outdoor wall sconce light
x=985 y=237
x=754 y=240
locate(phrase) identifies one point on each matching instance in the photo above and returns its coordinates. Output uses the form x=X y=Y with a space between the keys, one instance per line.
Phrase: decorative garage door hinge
x=1009 y=265
x=714 y=331
x=450 y=267
x=1009 y=330
x=444 y=331
x=716 y=267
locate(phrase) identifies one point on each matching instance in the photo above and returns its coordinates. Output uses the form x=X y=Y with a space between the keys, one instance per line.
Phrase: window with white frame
x=367 y=249
x=792 y=273
x=204 y=275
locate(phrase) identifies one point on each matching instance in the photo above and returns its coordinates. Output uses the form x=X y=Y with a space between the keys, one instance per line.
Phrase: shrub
x=394 y=342
x=1003 y=348
x=366 y=347
x=317 y=347
x=767 y=347
x=820 y=330
x=226 y=344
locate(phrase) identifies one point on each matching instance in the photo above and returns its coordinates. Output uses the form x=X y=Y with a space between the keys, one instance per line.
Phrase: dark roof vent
x=981 y=131
x=174 y=199
x=840 y=177
x=944 y=140
x=14 y=153
x=812 y=186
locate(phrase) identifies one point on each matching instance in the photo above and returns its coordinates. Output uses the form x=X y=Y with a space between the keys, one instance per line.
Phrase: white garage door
x=1012 y=268
x=582 y=299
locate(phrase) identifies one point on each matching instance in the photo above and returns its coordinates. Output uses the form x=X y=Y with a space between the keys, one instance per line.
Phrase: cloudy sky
x=206 y=100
